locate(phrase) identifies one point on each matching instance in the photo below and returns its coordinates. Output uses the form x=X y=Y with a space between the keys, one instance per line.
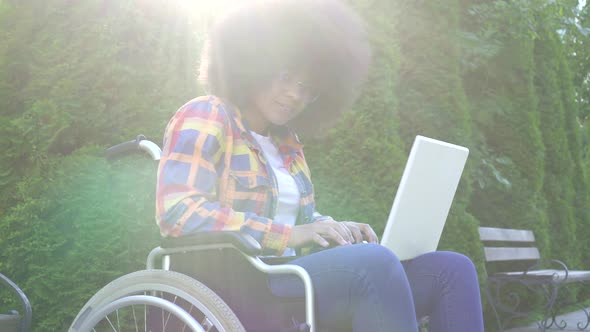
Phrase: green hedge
x=75 y=78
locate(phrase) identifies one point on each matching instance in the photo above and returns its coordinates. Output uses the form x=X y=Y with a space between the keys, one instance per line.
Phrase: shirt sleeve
x=188 y=176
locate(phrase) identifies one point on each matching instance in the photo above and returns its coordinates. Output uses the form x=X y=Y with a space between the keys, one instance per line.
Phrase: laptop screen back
x=424 y=197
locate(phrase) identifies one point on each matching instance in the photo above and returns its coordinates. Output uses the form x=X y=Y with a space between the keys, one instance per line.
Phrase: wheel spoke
x=134 y=318
x=168 y=318
x=190 y=312
x=206 y=323
x=110 y=323
x=118 y=322
x=193 y=303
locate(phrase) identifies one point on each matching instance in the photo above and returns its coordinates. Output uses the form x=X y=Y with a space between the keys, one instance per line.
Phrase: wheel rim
x=176 y=296
x=108 y=318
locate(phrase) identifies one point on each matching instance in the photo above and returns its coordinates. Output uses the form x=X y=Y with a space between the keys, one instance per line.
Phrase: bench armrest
x=545 y=262
x=241 y=241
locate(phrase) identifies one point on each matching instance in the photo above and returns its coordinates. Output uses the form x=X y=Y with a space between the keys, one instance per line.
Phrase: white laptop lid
x=424 y=197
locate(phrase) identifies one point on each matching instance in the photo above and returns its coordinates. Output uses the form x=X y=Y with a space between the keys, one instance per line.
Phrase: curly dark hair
x=251 y=45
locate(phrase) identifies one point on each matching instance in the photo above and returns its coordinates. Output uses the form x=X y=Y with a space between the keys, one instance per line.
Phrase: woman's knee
x=375 y=254
x=456 y=264
x=458 y=261
x=377 y=259
x=444 y=262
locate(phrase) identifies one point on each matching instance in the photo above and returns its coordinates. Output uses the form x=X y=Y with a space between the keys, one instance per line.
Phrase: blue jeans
x=365 y=286
x=361 y=287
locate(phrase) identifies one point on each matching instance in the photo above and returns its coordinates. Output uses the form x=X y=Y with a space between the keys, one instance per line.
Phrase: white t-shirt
x=288 y=203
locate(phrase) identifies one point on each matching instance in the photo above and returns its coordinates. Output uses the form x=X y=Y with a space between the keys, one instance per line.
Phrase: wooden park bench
x=513 y=266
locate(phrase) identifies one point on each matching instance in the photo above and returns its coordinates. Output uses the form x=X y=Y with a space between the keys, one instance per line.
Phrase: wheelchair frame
x=163 y=254
x=96 y=308
x=23 y=323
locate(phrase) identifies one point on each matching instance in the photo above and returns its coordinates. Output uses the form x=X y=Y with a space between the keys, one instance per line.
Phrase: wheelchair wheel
x=156 y=300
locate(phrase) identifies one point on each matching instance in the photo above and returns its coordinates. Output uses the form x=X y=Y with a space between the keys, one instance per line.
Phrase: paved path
x=572 y=320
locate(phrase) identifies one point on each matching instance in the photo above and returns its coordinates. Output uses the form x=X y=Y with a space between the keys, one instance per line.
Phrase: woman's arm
x=188 y=178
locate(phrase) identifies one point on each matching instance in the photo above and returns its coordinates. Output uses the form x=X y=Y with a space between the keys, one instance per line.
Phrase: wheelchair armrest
x=277 y=260
x=250 y=249
x=242 y=241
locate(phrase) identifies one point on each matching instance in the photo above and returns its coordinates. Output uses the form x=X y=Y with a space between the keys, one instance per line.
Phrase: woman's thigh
x=445 y=287
x=363 y=286
x=360 y=285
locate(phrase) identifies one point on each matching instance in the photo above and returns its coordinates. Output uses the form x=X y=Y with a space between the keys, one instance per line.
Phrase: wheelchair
x=13 y=321
x=149 y=300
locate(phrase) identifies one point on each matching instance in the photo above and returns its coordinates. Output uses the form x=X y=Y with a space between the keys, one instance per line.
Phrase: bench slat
x=497 y=254
x=504 y=234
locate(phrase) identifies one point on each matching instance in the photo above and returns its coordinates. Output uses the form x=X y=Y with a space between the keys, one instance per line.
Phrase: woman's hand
x=361 y=232
x=328 y=231
x=322 y=233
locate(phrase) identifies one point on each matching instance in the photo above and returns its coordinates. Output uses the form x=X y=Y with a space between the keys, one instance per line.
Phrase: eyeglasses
x=307 y=93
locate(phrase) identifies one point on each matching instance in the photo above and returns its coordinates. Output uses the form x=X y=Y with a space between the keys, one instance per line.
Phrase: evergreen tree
x=432 y=101
x=559 y=166
x=499 y=74
x=357 y=166
x=508 y=79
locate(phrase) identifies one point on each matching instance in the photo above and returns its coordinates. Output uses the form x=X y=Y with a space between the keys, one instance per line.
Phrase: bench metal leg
x=491 y=301
x=508 y=303
x=496 y=296
x=550 y=292
x=583 y=325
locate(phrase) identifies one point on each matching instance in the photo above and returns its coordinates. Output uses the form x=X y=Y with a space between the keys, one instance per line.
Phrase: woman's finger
x=320 y=240
x=345 y=232
x=355 y=230
x=374 y=235
x=341 y=229
x=329 y=231
x=369 y=233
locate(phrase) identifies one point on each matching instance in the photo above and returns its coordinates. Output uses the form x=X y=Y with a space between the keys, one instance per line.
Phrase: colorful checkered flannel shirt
x=213 y=176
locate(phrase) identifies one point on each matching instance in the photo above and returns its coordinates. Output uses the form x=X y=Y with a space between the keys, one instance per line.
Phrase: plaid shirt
x=213 y=176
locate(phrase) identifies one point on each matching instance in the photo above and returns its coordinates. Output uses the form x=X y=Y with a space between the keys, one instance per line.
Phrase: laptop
x=424 y=197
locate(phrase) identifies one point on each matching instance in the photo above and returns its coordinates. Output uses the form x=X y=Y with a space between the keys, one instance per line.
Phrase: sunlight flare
x=206 y=6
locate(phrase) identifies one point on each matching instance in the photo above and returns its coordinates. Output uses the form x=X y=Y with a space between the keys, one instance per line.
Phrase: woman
x=232 y=161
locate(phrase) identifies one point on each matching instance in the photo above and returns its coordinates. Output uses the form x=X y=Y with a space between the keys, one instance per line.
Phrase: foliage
x=508 y=79
x=82 y=226
x=72 y=78
x=558 y=181
x=373 y=119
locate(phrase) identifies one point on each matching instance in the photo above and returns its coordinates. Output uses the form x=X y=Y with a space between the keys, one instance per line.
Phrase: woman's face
x=282 y=101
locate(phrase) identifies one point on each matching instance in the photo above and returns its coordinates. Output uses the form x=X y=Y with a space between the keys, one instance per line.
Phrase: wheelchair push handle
x=25 y=322
x=139 y=144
